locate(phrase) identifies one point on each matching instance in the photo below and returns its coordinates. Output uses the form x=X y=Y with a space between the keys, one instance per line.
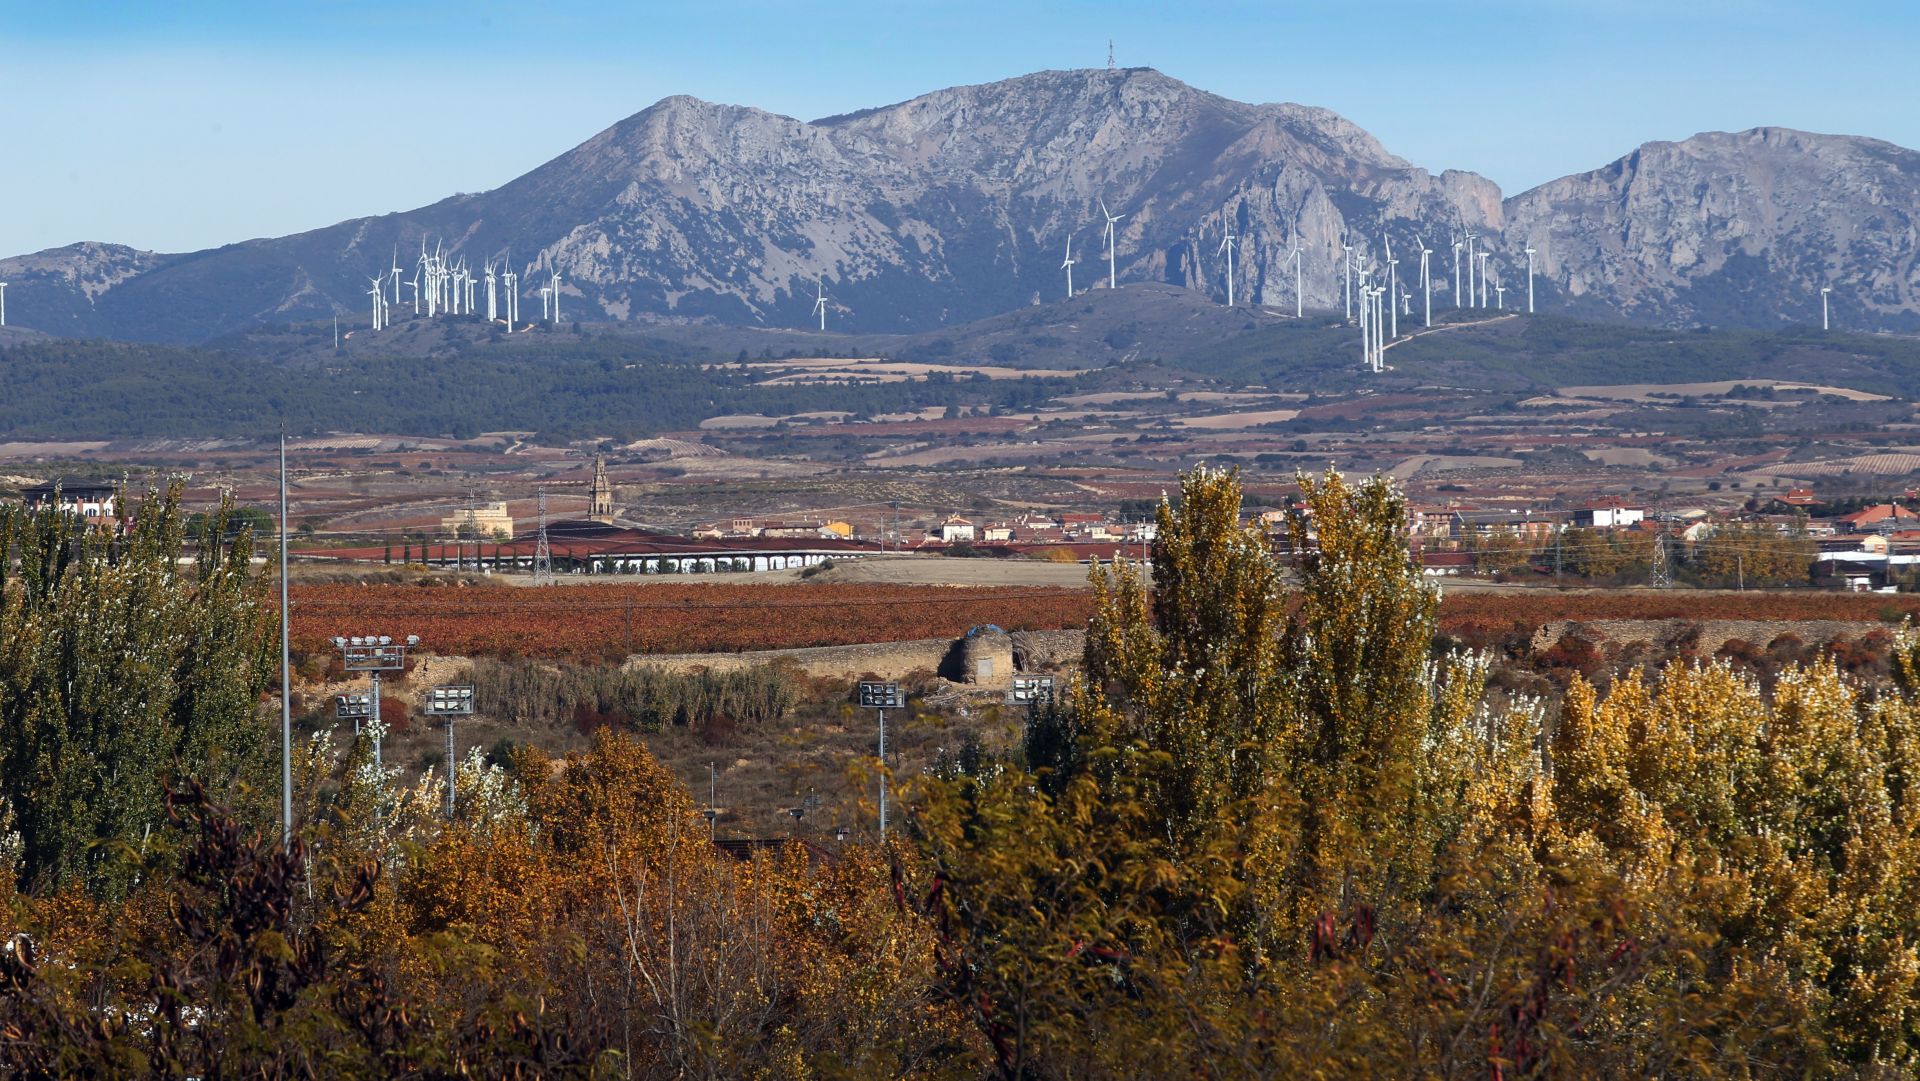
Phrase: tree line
x=1268 y=831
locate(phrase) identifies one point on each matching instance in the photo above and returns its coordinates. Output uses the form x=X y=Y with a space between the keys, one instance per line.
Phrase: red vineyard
x=593 y=622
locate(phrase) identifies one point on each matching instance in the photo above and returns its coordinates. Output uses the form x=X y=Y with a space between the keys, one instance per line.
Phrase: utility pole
x=1662 y=575
x=286 y=668
x=542 y=554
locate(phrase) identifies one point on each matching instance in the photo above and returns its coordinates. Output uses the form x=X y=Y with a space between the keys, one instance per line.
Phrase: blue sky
x=181 y=125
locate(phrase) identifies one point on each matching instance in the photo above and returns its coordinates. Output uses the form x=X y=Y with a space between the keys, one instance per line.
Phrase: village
x=1793 y=538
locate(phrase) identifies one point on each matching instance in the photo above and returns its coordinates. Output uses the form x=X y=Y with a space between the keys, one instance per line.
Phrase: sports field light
x=882 y=696
x=1030 y=690
x=450 y=701
x=372 y=653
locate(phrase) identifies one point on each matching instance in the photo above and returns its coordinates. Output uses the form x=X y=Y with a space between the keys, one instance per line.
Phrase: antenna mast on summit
x=1110 y=64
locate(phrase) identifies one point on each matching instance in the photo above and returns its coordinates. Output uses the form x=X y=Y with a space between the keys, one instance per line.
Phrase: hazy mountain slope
x=960 y=204
x=1735 y=229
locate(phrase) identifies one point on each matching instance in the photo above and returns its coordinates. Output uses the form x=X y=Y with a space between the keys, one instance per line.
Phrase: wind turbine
x=544 y=292
x=396 y=273
x=1299 y=281
x=1484 y=256
x=1346 y=276
x=1226 y=245
x=1113 y=277
x=1471 y=295
x=492 y=308
x=3 y=304
x=556 y=295
x=1366 y=322
x=1500 y=297
x=1825 y=323
x=1426 y=275
x=1456 y=270
x=1067 y=265
x=375 y=294
x=1530 y=281
x=1393 y=283
x=820 y=300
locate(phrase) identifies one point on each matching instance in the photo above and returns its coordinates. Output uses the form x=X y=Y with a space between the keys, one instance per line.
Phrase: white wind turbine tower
x=375 y=294
x=513 y=298
x=556 y=295
x=1366 y=323
x=1426 y=276
x=1226 y=245
x=1456 y=269
x=1484 y=256
x=1067 y=265
x=1500 y=297
x=1299 y=280
x=492 y=308
x=1530 y=281
x=1346 y=277
x=1113 y=277
x=820 y=300
x=1471 y=294
x=1825 y=322
x=3 y=304
x=545 y=291
x=396 y=273
x=1393 y=283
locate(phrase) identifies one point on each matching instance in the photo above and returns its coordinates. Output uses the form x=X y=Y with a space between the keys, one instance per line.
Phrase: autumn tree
x=1758 y=555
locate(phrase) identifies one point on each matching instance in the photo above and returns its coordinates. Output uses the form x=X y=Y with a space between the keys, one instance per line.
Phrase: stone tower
x=600 y=495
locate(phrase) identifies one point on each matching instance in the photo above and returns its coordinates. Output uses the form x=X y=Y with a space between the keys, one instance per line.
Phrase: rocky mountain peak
x=960 y=203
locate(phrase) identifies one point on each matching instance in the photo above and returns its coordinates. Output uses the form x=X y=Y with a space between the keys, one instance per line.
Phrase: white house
x=86 y=498
x=956 y=529
x=1610 y=513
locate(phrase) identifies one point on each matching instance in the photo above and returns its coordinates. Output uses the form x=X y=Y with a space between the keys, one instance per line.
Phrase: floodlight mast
x=372 y=654
x=450 y=701
x=880 y=697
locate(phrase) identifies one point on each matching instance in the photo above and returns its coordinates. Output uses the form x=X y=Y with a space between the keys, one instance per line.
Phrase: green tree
x=120 y=665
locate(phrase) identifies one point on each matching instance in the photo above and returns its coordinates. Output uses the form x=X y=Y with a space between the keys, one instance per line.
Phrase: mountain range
x=962 y=203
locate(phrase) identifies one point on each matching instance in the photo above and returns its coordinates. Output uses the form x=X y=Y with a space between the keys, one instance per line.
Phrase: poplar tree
x=122 y=663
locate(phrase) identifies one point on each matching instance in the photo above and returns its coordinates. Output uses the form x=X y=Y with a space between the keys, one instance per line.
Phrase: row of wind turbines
x=441 y=286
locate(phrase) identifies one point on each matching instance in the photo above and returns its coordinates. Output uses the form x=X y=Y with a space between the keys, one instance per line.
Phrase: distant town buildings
x=489 y=520
x=1610 y=513
x=75 y=495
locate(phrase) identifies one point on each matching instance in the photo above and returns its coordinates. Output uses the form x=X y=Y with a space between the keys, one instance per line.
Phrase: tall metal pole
x=286 y=668
x=451 y=772
x=374 y=716
x=883 y=774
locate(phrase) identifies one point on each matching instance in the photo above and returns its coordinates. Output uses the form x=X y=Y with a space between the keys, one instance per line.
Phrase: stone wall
x=957 y=660
x=1615 y=634
x=888 y=660
x=1048 y=651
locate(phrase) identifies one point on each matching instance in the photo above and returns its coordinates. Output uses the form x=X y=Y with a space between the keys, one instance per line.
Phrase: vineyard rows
x=595 y=622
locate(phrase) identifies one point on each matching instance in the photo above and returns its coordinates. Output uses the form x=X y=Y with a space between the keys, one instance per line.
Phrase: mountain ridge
x=957 y=204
